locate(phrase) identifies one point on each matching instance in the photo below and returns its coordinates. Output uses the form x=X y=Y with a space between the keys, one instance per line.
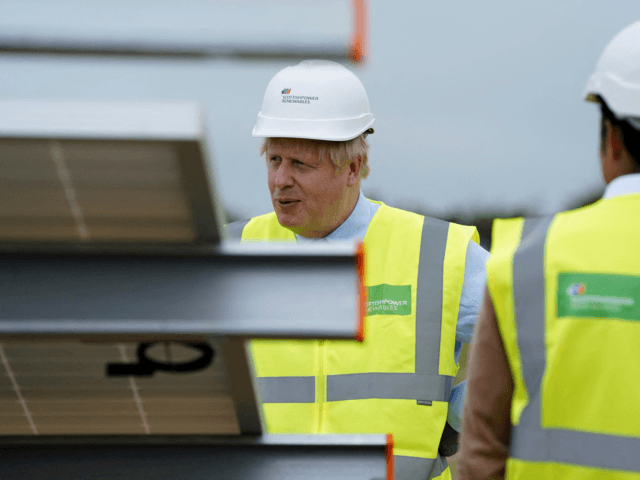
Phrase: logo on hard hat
x=577 y=289
x=287 y=98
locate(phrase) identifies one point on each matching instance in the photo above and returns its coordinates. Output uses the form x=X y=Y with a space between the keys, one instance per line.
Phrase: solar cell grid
x=51 y=388
x=109 y=172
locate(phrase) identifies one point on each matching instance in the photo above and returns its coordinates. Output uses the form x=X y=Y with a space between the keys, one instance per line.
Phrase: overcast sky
x=478 y=105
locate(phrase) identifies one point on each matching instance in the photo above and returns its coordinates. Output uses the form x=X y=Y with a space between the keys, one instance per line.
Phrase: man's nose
x=283 y=176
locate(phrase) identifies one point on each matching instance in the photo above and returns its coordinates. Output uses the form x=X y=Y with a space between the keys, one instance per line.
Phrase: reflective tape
x=398 y=386
x=414 y=468
x=433 y=244
x=572 y=447
x=287 y=389
x=528 y=293
x=529 y=440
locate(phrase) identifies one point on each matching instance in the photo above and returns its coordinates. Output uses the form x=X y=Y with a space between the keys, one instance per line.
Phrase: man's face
x=307 y=195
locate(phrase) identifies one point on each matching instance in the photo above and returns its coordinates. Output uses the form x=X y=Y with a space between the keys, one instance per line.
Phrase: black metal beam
x=269 y=457
x=272 y=291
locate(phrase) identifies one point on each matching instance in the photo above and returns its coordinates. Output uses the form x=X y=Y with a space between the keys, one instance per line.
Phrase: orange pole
x=358 y=40
x=390 y=456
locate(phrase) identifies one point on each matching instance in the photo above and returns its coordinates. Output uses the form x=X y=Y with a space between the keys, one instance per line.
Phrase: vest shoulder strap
x=388 y=212
x=266 y=227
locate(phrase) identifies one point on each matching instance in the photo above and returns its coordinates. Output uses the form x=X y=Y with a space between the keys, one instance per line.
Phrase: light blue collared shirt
x=624 y=185
x=355 y=227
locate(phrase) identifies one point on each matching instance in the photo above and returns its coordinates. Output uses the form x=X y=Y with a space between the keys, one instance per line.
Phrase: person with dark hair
x=553 y=369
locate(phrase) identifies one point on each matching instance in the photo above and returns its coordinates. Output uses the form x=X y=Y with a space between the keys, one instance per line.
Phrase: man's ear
x=354 y=168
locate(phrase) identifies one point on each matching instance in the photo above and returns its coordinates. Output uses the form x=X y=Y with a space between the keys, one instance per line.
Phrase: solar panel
x=84 y=172
x=61 y=388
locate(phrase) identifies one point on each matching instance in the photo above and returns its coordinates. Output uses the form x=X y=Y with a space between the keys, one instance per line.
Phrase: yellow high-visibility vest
x=398 y=380
x=566 y=292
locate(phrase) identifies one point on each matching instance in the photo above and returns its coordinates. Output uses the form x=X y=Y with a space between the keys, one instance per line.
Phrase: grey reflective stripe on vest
x=529 y=441
x=287 y=389
x=528 y=292
x=400 y=386
x=414 y=468
x=233 y=231
x=429 y=299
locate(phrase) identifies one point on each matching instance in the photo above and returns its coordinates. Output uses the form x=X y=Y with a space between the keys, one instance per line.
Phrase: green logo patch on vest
x=389 y=299
x=599 y=295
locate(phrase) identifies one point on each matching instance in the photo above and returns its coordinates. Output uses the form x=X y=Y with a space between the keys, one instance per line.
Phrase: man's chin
x=289 y=222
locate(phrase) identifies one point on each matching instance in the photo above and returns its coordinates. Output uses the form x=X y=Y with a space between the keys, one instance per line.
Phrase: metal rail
x=267 y=457
x=338 y=52
x=269 y=291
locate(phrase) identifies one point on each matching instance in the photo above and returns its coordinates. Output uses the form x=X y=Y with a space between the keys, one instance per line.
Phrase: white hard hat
x=617 y=76
x=315 y=99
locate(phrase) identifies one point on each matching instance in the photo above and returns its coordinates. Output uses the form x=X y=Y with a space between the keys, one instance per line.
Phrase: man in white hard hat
x=424 y=281
x=553 y=370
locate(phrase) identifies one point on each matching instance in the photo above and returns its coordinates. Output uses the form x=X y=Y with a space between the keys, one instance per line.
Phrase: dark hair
x=630 y=136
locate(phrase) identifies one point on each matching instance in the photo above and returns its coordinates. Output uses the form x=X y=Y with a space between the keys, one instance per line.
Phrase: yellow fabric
x=591 y=363
x=290 y=417
x=280 y=353
x=392 y=246
x=266 y=228
x=453 y=277
x=606 y=350
x=446 y=475
x=505 y=238
x=551 y=470
x=416 y=428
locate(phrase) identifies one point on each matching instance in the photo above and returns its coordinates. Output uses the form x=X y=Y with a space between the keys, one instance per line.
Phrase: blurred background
x=478 y=105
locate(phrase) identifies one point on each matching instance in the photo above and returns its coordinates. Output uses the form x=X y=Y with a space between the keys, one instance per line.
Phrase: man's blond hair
x=340 y=153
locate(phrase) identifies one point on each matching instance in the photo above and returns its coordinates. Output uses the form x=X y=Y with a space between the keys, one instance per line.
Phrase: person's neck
x=631 y=168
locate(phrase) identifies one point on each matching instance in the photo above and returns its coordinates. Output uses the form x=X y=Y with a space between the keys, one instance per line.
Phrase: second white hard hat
x=315 y=99
x=617 y=76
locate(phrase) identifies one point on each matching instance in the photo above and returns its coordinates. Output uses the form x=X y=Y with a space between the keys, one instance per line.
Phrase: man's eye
x=299 y=163
x=274 y=159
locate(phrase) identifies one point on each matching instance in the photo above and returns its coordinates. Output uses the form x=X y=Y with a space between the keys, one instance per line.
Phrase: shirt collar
x=623 y=185
x=354 y=227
